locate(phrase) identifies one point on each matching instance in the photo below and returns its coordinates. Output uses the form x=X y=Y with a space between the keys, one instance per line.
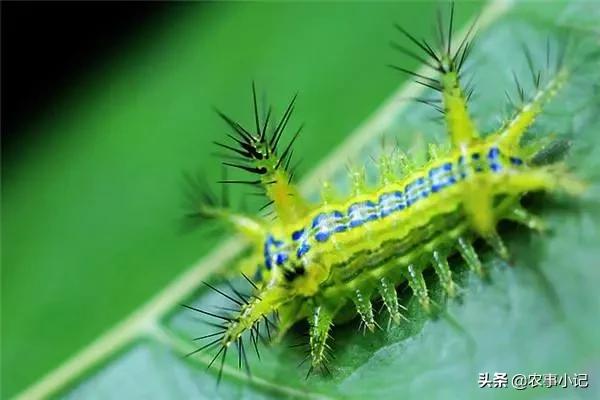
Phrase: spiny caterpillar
x=327 y=262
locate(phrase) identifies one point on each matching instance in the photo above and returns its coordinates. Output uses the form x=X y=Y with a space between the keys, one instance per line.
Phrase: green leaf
x=535 y=315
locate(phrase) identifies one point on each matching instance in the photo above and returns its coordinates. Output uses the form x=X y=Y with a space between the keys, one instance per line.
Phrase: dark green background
x=91 y=202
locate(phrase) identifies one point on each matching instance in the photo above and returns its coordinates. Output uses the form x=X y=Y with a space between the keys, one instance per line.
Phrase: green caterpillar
x=327 y=262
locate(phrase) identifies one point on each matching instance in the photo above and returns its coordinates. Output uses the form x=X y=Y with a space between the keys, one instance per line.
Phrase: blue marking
x=338 y=219
x=322 y=236
x=301 y=236
x=360 y=213
x=281 y=258
x=441 y=177
x=413 y=191
x=516 y=161
x=451 y=177
x=411 y=197
x=270 y=244
x=297 y=234
x=371 y=210
x=302 y=250
x=494 y=153
x=356 y=215
x=317 y=220
x=494 y=158
x=327 y=223
x=390 y=202
x=416 y=190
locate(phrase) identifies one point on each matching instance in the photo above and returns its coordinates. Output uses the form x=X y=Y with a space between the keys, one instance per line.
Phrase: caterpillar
x=328 y=262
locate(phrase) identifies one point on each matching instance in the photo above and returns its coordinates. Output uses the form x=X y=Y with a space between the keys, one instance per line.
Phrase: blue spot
x=301 y=236
x=494 y=153
x=271 y=243
x=338 y=219
x=327 y=223
x=281 y=258
x=356 y=215
x=371 y=210
x=390 y=202
x=317 y=220
x=322 y=236
x=385 y=209
x=399 y=197
x=302 y=250
x=274 y=242
x=355 y=223
x=441 y=177
x=451 y=178
x=413 y=191
x=360 y=213
x=297 y=234
x=494 y=157
x=516 y=161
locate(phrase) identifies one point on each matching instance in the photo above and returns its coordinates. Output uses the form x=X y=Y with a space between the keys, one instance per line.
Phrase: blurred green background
x=91 y=200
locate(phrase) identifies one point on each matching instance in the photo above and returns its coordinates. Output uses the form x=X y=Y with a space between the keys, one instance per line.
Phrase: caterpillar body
x=328 y=262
